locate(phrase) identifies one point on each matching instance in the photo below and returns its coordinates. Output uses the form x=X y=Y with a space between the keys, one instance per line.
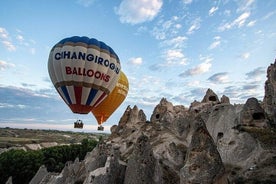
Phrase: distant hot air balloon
x=104 y=110
x=84 y=71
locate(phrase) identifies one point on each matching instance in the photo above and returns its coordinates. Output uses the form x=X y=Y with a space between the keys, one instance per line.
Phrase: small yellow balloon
x=106 y=108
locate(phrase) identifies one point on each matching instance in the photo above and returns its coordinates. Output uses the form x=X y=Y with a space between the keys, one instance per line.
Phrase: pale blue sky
x=168 y=48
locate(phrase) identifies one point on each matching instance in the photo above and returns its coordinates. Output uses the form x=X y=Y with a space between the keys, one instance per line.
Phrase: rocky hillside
x=212 y=141
x=33 y=139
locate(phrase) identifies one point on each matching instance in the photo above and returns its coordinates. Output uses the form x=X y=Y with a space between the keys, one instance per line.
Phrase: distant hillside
x=32 y=139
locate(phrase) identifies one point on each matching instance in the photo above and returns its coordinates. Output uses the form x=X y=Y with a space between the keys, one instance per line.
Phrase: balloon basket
x=100 y=128
x=78 y=124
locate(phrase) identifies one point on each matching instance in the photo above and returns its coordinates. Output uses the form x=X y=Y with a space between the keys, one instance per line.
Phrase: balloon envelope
x=84 y=71
x=104 y=110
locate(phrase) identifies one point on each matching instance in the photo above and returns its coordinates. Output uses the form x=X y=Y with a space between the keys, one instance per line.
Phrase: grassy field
x=10 y=137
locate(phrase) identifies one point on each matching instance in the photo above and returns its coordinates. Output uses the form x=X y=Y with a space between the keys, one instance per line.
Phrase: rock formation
x=253 y=114
x=210 y=96
x=211 y=141
x=270 y=94
x=202 y=163
x=141 y=164
x=225 y=99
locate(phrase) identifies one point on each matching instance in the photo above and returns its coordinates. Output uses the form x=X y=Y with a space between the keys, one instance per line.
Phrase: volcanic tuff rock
x=253 y=114
x=211 y=141
x=210 y=96
x=270 y=94
x=202 y=154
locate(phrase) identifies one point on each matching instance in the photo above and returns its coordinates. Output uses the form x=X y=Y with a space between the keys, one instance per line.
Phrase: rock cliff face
x=211 y=141
x=270 y=94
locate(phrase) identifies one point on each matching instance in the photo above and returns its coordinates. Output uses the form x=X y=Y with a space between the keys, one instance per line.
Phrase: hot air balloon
x=84 y=71
x=104 y=110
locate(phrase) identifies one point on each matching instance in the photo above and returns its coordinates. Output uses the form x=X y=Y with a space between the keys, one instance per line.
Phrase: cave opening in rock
x=220 y=135
x=212 y=98
x=157 y=116
x=258 y=116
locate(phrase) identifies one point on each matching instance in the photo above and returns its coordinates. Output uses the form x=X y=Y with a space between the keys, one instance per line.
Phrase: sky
x=173 y=49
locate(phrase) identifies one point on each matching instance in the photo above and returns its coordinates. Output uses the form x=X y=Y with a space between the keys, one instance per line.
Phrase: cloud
x=187 y=1
x=241 y=19
x=195 y=83
x=245 y=55
x=245 y=5
x=268 y=15
x=219 y=78
x=175 y=56
x=195 y=26
x=200 y=92
x=256 y=73
x=187 y=97
x=165 y=29
x=232 y=91
x=12 y=106
x=20 y=38
x=172 y=54
x=227 y=13
x=250 y=87
x=172 y=57
x=4 y=33
x=239 y=22
x=9 y=45
x=199 y=69
x=136 y=61
x=176 y=42
x=5 y=39
x=215 y=44
x=19 y=41
x=251 y=23
x=134 y=12
x=213 y=10
x=239 y=94
x=30 y=104
x=5 y=65
x=157 y=67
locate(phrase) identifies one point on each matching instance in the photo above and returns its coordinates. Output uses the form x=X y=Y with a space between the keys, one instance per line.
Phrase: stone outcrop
x=225 y=99
x=270 y=94
x=210 y=96
x=40 y=175
x=141 y=163
x=211 y=142
x=253 y=114
x=202 y=163
x=235 y=147
x=207 y=102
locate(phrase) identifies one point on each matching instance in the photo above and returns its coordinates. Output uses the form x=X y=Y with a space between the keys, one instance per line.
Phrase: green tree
x=21 y=165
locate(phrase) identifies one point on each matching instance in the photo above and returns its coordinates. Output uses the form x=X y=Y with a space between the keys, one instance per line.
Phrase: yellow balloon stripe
x=103 y=111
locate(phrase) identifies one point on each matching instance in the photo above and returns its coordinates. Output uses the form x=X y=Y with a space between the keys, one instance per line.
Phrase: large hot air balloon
x=104 y=110
x=84 y=71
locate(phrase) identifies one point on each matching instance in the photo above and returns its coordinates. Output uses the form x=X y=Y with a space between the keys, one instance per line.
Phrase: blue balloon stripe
x=88 y=41
x=91 y=96
x=93 y=41
x=66 y=94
